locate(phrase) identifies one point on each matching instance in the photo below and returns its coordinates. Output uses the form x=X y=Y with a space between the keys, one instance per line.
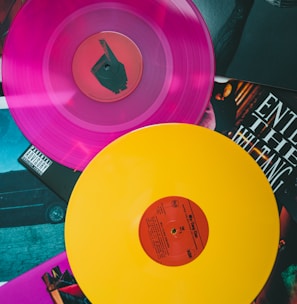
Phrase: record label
x=100 y=73
x=172 y=213
x=96 y=70
x=173 y=231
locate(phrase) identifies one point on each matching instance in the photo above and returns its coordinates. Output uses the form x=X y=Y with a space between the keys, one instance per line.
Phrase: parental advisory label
x=36 y=160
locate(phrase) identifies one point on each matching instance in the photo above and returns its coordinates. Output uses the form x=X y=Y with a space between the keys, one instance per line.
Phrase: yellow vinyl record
x=172 y=213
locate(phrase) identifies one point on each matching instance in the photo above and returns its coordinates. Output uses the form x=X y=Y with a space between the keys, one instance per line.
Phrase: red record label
x=99 y=58
x=173 y=231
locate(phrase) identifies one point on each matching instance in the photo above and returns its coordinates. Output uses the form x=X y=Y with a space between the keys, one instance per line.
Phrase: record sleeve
x=51 y=282
x=254 y=40
x=27 y=206
x=262 y=120
x=57 y=177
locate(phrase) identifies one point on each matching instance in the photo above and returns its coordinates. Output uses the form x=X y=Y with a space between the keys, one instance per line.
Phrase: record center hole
x=107 y=67
x=173 y=231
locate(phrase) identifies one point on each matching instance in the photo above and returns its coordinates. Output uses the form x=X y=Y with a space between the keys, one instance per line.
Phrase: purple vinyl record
x=79 y=74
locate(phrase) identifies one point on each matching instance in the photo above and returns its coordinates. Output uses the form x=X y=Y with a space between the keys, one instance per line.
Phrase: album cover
x=263 y=121
x=254 y=40
x=51 y=282
x=31 y=215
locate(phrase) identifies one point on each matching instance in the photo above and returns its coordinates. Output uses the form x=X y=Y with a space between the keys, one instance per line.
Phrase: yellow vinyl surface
x=144 y=166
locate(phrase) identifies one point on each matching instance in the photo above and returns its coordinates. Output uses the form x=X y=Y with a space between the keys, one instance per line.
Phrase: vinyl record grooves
x=79 y=74
x=172 y=213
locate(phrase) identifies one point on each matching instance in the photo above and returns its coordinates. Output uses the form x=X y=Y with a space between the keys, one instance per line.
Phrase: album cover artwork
x=254 y=40
x=49 y=283
x=31 y=215
x=263 y=121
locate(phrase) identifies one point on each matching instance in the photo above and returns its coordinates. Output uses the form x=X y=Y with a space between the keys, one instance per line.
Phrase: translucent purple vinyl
x=61 y=120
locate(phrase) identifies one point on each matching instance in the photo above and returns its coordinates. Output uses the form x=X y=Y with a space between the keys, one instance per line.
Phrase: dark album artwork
x=254 y=40
x=263 y=121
